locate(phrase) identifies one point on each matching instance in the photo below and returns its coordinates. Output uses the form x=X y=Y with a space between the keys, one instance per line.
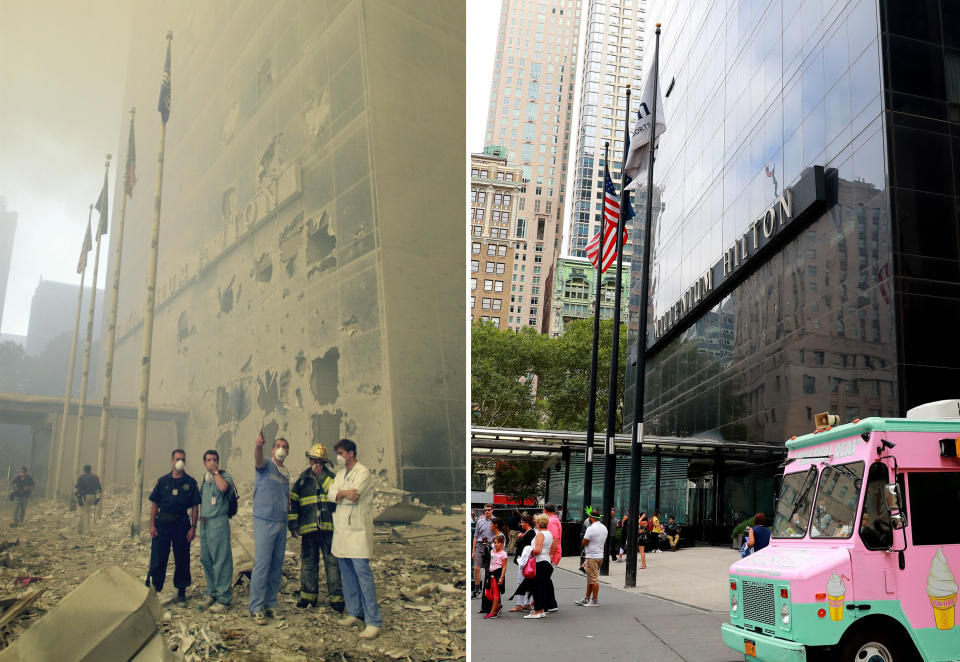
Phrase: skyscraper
x=531 y=101
x=307 y=162
x=613 y=59
x=8 y=228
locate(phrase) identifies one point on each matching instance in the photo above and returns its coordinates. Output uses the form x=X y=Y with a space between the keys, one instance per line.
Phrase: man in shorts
x=482 y=544
x=593 y=543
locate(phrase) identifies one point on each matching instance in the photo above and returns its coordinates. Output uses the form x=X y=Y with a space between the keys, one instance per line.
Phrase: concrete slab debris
x=110 y=616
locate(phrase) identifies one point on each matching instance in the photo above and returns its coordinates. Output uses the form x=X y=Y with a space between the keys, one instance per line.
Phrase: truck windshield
x=793 y=508
x=837 y=499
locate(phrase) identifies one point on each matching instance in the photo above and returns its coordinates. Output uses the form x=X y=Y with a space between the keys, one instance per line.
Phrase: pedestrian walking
x=87 y=492
x=22 y=489
x=496 y=529
x=482 y=544
x=311 y=518
x=496 y=581
x=174 y=504
x=353 y=539
x=524 y=592
x=543 y=585
x=216 y=553
x=556 y=553
x=593 y=544
x=642 y=539
x=271 y=503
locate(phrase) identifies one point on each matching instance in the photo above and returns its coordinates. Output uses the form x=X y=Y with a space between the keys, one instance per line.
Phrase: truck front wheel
x=871 y=645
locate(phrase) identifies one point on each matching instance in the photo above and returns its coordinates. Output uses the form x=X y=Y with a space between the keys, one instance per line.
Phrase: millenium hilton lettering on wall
x=797 y=204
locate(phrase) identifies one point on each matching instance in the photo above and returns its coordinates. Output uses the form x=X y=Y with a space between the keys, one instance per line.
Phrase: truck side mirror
x=891 y=493
x=898 y=520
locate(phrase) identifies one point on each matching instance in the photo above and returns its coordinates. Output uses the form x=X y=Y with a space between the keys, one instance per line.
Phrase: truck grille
x=758 y=603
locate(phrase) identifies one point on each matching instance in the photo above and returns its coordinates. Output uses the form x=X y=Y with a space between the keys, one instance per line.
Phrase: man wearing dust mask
x=174 y=504
x=271 y=501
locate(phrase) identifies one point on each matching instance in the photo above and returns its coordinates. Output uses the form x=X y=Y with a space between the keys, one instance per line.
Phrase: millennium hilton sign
x=802 y=202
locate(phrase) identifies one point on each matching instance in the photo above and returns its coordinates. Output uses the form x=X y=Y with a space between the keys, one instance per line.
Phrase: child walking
x=495 y=584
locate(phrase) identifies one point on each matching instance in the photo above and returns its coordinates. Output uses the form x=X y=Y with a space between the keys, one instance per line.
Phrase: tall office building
x=305 y=286
x=531 y=103
x=494 y=185
x=612 y=60
x=8 y=228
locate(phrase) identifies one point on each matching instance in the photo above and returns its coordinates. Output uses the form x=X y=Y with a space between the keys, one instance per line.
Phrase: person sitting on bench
x=673 y=533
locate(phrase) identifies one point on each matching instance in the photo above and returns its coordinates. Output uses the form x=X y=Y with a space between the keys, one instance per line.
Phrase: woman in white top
x=543 y=585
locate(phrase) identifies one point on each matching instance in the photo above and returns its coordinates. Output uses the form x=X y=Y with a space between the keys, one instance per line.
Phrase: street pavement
x=629 y=625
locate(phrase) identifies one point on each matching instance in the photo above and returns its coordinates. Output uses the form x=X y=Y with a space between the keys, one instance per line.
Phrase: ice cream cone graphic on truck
x=835 y=592
x=942 y=591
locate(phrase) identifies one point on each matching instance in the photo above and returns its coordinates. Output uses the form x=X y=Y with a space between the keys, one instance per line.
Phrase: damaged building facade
x=310 y=272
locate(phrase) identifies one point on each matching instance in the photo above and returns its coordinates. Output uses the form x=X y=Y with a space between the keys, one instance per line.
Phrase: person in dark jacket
x=22 y=489
x=88 y=494
x=174 y=508
x=311 y=517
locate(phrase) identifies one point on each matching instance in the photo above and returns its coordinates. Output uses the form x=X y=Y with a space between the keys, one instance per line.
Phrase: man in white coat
x=352 y=489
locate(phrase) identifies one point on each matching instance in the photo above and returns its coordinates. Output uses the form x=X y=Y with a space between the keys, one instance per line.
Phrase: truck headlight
x=785 y=614
x=733 y=603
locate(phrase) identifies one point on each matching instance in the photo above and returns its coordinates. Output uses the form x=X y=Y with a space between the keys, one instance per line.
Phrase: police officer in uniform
x=173 y=521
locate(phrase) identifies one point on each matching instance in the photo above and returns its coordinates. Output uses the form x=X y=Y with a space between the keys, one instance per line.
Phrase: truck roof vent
x=938 y=409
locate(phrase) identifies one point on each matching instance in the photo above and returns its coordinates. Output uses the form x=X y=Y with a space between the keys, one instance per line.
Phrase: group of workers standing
x=329 y=507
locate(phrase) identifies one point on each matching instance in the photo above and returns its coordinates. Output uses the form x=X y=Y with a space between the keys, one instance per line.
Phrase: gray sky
x=62 y=70
x=483 y=19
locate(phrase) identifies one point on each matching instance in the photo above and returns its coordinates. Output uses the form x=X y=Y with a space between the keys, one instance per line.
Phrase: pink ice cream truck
x=864 y=554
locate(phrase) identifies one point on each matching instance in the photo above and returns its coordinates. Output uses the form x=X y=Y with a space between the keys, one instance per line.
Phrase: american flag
x=611 y=213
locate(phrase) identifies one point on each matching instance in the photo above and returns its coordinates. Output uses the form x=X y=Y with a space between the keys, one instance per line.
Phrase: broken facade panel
x=311 y=232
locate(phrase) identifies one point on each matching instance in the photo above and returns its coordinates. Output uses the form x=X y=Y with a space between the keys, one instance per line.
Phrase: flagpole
x=636 y=440
x=592 y=406
x=61 y=447
x=112 y=325
x=148 y=310
x=87 y=344
x=610 y=459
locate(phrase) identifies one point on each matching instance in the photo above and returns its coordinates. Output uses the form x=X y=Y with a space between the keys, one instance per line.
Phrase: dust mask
x=280 y=453
x=341 y=461
x=179 y=465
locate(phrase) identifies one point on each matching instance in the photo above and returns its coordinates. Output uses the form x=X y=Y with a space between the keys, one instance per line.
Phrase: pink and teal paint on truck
x=864 y=555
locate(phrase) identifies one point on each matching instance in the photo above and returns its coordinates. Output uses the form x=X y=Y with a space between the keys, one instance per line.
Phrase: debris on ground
x=110 y=616
x=418 y=570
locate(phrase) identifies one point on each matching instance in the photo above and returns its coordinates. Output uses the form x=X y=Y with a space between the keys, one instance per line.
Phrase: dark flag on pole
x=164 y=105
x=101 y=207
x=87 y=245
x=132 y=160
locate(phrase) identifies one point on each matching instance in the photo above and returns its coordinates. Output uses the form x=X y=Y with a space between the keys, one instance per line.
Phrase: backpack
x=232 y=501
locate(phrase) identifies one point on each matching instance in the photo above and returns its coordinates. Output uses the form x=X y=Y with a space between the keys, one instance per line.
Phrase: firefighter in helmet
x=311 y=517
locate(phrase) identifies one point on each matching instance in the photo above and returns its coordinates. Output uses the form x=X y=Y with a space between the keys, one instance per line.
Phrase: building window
x=502 y=251
x=473 y=284
x=498 y=286
x=485 y=303
x=495 y=321
x=488 y=285
x=489 y=267
x=491 y=249
x=475 y=248
x=474 y=266
x=501 y=267
x=496 y=304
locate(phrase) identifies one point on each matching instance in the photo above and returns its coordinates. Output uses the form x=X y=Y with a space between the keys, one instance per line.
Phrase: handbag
x=745 y=549
x=530 y=569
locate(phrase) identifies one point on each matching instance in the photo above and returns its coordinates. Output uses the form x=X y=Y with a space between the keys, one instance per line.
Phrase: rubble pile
x=418 y=569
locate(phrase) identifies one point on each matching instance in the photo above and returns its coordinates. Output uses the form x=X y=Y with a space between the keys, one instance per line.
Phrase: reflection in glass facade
x=847 y=315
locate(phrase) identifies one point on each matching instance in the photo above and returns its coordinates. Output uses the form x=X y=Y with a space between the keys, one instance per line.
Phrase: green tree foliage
x=525 y=379
x=565 y=382
x=521 y=479
x=504 y=365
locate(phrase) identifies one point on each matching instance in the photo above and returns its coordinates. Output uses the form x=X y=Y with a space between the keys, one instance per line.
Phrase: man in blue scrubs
x=270 y=505
x=216 y=556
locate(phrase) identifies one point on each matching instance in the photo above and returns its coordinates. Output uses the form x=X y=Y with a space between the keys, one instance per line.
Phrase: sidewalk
x=628 y=626
x=694 y=576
